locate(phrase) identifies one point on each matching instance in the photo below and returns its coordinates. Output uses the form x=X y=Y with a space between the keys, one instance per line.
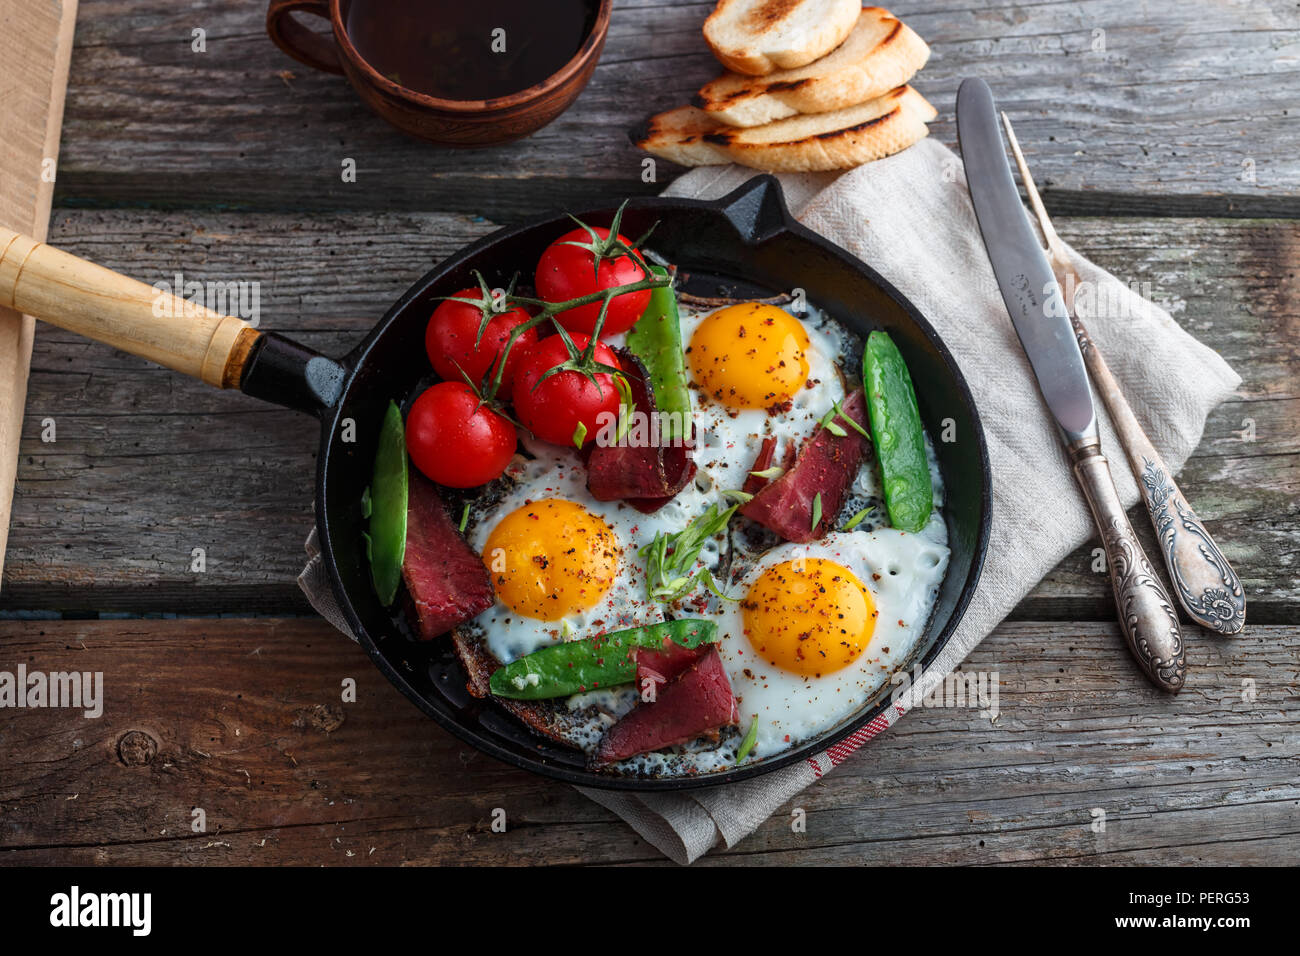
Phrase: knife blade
x=1024 y=275
x=1038 y=313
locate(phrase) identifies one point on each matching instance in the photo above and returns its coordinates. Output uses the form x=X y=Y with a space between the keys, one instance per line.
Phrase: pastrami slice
x=698 y=702
x=446 y=580
x=645 y=474
x=826 y=466
x=665 y=664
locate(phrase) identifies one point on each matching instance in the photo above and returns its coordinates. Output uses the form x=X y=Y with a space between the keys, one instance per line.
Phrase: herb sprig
x=828 y=422
x=670 y=558
x=746 y=745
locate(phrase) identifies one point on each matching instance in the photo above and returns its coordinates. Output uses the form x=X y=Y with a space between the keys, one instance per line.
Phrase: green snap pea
x=656 y=340
x=897 y=435
x=606 y=660
x=386 y=541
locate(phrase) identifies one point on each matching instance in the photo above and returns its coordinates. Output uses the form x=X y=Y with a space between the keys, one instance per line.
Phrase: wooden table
x=1166 y=140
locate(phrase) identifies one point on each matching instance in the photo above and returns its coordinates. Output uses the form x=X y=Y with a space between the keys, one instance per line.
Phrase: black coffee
x=468 y=49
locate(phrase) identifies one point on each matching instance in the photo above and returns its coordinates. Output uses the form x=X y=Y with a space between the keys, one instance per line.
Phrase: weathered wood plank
x=243 y=719
x=148 y=465
x=1151 y=108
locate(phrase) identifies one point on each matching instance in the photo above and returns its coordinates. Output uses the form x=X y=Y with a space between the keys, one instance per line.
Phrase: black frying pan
x=743 y=244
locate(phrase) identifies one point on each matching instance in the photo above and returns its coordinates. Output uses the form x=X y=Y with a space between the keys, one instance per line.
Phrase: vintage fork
x=1205 y=584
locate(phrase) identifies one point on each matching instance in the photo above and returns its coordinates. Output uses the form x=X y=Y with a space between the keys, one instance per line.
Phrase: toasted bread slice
x=820 y=141
x=548 y=718
x=758 y=36
x=880 y=54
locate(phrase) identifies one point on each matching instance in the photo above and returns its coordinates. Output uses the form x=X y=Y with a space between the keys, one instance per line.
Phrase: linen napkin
x=910 y=217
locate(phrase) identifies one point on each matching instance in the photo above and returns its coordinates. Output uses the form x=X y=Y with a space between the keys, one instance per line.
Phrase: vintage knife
x=1204 y=582
x=1033 y=298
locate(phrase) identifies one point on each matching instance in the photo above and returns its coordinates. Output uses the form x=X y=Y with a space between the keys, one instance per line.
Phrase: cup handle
x=304 y=45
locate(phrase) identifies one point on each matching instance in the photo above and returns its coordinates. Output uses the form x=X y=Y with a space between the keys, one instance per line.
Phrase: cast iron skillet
x=744 y=243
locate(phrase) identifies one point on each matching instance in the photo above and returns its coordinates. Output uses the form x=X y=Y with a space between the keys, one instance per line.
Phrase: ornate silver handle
x=1205 y=584
x=1146 y=616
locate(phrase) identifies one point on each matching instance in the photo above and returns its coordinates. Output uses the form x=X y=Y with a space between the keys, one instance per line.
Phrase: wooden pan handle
x=79 y=296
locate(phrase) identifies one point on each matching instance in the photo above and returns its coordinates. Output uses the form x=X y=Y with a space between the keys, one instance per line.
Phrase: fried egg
x=817 y=629
x=755 y=371
x=562 y=564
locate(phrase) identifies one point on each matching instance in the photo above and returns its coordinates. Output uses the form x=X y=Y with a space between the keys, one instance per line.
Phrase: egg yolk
x=809 y=616
x=551 y=559
x=749 y=356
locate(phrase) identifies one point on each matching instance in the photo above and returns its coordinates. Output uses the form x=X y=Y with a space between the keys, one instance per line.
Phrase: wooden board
x=149 y=465
x=35 y=49
x=243 y=719
x=1153 y=108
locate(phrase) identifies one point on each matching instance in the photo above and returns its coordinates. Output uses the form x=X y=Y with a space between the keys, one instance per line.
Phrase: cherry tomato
x=455 y=442
x=565 y=272
x=553 y=409
x=453 y=328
